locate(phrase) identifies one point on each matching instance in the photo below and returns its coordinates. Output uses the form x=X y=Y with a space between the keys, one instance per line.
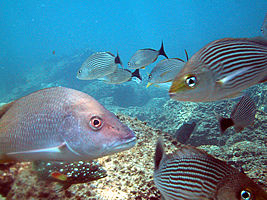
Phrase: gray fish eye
x=80 y=71
x=245 y=195
x=96 y=123
x=191 y=81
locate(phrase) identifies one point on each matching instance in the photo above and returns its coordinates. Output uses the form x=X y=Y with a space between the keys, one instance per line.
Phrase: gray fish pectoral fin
x=56 y=149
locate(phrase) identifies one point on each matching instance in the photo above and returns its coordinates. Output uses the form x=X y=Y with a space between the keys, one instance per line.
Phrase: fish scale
x=57 y=124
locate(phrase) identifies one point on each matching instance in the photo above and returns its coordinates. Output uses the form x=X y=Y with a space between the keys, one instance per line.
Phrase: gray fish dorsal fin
x=4 y=108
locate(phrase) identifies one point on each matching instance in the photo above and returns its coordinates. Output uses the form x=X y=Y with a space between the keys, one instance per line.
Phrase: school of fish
x=62 y=130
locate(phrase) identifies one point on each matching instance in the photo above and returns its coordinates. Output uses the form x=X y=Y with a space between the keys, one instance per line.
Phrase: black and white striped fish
x=98 y=65
x=222 y=69
x=243 y=115
x=192 y=174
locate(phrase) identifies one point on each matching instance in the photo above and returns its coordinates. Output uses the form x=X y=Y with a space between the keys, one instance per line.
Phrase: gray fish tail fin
x=118 y=59
x=224 y=123
x=137 y=74
x=162 y=51
x=159 y=154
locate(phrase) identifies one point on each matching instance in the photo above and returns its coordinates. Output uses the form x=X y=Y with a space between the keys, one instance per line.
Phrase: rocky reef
x=130 y=173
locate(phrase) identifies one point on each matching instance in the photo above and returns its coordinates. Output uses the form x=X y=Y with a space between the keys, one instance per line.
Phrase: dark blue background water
x=32 y=30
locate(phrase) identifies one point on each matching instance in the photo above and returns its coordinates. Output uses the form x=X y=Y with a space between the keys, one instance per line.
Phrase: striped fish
x=144 y=57
x=222 y=69
x=165 y=71
x=243 y=115
x=98 y=65
x=192 y=174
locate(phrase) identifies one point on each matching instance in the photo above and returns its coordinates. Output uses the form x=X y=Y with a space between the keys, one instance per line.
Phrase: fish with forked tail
x=60 y=124
x=192 y=174
x=144 y=57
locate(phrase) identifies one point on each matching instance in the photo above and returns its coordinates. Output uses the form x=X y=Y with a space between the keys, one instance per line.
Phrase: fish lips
x=124 y=144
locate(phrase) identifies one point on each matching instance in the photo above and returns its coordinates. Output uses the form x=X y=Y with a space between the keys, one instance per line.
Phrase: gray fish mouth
x=124 y=144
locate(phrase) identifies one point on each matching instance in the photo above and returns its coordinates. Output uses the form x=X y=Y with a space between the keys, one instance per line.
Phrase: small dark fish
x=68 y=173
x=222 y=69
x=183 y=134
x=144 y=57
x=98 y=65
x=60 y=124
x=243 y=115
x=121 y=76
x=192 y=174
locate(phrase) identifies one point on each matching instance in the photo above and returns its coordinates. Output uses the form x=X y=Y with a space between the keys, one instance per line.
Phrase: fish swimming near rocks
x=98 y=65
x=165 y=71
x=222 y=69
x=183 y=134
x=68 y=173
x=121 y=76
x=60 y=124
x=192 y=174
x=243 y=115
x=144 y=57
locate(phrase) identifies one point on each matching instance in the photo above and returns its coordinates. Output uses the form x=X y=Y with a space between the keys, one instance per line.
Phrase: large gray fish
x=144 y=57
x=222 y=69
x=60 y=124
x=68 y=173
x=121 y=76
x=98 y=65
x=183 y=134
x=192 y=174
x=243 y=115
x=165 y=71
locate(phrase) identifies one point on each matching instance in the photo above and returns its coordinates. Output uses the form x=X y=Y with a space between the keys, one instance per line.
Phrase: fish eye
x=149 y=76
x=80 y=71
x=96 y=123
x=129 y=64
x=245 y=195
x=191 y=81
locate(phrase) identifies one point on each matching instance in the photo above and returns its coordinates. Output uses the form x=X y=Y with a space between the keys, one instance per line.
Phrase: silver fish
x=165 y=71
x=222 y=69
x=144 y=57
x=243 y=115
x=121 y=76
x=60 y=124
x=192 y=174
x=98 y=65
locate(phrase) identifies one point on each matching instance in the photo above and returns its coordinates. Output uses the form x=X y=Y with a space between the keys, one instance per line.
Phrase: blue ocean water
x=44 y=43
x=32 y=30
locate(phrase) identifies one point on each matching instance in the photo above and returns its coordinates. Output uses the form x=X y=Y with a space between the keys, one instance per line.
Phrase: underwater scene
x=105 y=100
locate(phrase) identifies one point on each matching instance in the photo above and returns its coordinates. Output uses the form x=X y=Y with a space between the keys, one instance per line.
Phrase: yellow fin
x=149 y=84
x=143 y=67
x=59 y=176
